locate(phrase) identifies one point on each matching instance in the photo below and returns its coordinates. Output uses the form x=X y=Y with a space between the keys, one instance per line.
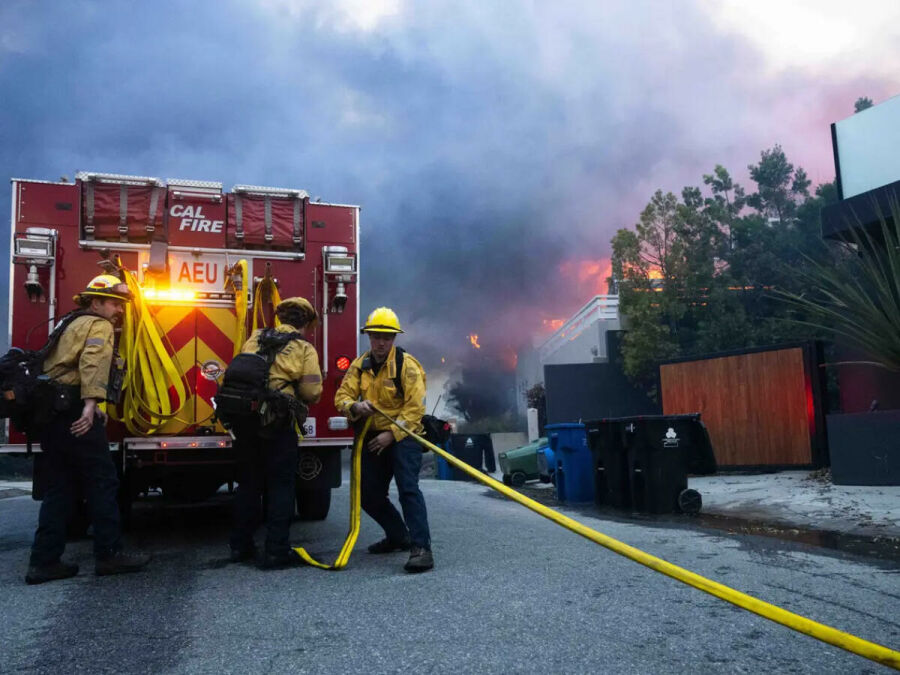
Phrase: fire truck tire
x=313 y=504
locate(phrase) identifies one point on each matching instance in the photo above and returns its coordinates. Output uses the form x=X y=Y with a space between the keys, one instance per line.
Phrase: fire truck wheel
x=313 y=504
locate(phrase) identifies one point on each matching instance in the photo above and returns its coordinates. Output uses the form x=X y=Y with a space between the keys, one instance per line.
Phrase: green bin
x=521 y=464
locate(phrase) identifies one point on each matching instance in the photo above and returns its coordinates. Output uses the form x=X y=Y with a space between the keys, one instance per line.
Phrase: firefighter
x=267 y=454
x=74 y=443
x=375 y=379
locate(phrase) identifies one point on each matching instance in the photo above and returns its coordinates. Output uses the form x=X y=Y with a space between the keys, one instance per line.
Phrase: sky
x=495 y=148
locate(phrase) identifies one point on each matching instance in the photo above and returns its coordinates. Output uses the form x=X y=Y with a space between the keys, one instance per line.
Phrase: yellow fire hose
x=833 y=636
x=355 y=464
x=240 y=302
x=265 y=289
x=150 y=371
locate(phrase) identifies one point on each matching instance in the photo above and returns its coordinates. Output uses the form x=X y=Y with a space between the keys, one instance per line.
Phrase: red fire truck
x=207 y=266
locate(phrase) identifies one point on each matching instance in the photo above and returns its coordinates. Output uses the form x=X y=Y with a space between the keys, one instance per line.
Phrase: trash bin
x=662 y=450
x=546 y=461
x=473 y=449
x=574 y=464
x=521 y=464
x=612 y=484
x=643 y=462
x=444 y=471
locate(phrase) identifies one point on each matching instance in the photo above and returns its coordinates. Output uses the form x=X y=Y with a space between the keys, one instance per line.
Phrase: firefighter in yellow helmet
x=266 y=445
x=80 y=367
x=393 y=380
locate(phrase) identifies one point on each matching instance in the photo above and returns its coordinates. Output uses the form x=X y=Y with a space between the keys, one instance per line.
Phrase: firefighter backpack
x=23 y=386
x=434 y=429
x=244 y=395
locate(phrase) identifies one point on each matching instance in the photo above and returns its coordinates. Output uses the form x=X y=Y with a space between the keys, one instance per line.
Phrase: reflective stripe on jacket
x=361 y=384
x=296 y=370
x=83 y=356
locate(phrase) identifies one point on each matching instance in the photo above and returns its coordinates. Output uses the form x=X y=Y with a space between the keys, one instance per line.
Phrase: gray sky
x=495 y=147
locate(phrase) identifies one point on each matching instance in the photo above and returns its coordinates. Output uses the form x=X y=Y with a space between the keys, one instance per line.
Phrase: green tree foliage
x=481 y=392
x=696 y=272
x=862 y=103
x=858 y=299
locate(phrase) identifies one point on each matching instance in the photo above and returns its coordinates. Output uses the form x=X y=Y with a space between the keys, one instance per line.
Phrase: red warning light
x=342 y=363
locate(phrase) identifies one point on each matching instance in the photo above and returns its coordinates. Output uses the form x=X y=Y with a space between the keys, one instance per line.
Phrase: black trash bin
x=611 y=481
x=643 y=462
x=475 y=450
x=662 y=450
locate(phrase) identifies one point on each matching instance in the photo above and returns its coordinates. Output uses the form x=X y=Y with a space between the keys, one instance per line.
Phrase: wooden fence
x=762 y=407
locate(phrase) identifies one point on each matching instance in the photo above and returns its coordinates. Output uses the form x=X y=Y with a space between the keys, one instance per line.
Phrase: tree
x=481 y=392
x=862 y=103
x=648 y=262
x=778 y=185
x=697 y=273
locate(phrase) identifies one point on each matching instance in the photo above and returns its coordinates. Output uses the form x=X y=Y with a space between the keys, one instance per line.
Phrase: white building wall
x=582 y=339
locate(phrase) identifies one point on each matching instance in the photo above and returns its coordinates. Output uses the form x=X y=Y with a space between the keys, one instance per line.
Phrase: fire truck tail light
x=170 y=294
x=342 y=363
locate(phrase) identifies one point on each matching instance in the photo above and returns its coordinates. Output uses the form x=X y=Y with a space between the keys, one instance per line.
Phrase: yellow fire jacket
x=296 y=370
x=363 y=383
x=83 y=356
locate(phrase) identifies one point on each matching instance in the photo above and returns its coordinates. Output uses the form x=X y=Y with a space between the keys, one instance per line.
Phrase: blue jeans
x=401 y=461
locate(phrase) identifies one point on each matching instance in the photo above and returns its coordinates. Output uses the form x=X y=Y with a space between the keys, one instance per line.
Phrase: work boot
x=120 y=563
x=280 y=561
x=388 y=546
x=420 y=560
x=38 y=574
x=243 y=554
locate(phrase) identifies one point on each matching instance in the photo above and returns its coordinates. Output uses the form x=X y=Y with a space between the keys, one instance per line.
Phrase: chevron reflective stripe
x=215 y=347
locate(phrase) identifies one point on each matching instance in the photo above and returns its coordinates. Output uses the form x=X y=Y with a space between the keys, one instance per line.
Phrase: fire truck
x=206 y=267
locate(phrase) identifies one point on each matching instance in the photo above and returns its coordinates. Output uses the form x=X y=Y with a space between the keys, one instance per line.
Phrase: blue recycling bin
x=574 y=463
x=444 y=470
x=546 y=461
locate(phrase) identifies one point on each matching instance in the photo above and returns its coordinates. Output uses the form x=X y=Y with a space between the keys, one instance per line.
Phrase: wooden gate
x=763 y=407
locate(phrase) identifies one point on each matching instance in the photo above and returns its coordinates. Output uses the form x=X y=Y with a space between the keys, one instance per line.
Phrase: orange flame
x=553 y=324
x=473 y=338
x=587 y=276
x=510 y=358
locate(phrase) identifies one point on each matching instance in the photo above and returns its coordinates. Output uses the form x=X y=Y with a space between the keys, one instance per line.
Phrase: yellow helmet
x=104 y=286
x=382 y=320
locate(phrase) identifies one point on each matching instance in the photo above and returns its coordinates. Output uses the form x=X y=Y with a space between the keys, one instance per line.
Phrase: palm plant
x=858 y=297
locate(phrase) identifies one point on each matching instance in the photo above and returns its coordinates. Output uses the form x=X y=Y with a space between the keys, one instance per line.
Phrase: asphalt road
x=511 y=593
